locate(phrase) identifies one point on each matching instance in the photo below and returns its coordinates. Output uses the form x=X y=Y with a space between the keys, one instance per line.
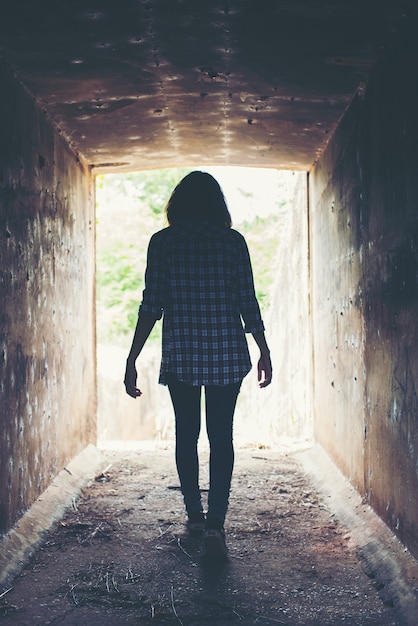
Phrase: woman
x=199 y=277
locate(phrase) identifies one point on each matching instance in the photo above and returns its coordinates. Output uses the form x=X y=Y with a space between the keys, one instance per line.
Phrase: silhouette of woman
x=199 y=279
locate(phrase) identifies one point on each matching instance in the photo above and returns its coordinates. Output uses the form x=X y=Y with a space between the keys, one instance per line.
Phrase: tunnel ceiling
x=135 y=84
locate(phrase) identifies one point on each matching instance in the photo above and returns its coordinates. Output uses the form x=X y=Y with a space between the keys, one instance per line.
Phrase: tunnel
x=323 y=88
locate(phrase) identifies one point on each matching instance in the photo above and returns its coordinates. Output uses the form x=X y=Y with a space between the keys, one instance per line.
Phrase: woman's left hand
x=130 y=380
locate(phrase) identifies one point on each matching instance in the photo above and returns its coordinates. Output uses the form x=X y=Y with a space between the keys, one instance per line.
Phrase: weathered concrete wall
x=337 y=305
x=284 y=408
x=47 y=344
x=364 y=241
x=119 y=416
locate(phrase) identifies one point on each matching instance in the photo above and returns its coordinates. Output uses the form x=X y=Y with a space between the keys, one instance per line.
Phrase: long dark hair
x=197 y=198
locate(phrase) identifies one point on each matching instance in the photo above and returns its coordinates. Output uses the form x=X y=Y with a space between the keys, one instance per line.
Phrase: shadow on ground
x=121 y=555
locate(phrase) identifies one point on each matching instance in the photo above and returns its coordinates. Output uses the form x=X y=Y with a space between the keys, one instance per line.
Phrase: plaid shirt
x=200 y=277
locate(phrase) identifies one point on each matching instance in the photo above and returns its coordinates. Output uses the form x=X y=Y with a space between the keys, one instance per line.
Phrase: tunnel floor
x=121 y=554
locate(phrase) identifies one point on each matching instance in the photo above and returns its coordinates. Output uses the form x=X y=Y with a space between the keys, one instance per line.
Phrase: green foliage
x=130 y=208
x=151 y=188
x=261 y=235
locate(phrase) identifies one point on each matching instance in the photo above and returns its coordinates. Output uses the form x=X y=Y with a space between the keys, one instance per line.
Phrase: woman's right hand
x=265 y=370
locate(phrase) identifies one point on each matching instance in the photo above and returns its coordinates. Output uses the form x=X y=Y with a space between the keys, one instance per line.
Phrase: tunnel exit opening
x=268 y=207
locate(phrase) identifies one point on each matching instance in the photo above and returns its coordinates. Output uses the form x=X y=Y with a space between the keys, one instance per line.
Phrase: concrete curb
x=20 y=542
x=384 y=559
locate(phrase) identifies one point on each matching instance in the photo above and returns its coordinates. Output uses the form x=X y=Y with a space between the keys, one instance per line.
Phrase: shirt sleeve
x=155 y=274
x=249 y=307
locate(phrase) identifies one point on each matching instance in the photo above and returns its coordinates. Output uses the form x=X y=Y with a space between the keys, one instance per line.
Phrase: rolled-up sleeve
x=249 y=307
x=155 y=279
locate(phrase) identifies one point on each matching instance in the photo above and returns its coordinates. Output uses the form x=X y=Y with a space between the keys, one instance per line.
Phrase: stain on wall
x=364 y=234
x=47 y=343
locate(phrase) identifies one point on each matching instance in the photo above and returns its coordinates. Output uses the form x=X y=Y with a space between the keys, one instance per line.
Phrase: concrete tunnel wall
x=364 y=297
x=47 y=317
x=364 y=260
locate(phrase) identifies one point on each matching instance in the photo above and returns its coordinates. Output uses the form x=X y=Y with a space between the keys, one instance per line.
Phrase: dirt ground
x=122 y=555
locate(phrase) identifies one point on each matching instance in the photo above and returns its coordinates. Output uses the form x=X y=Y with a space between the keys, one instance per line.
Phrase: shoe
x=214 y=544
x=196 y=522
